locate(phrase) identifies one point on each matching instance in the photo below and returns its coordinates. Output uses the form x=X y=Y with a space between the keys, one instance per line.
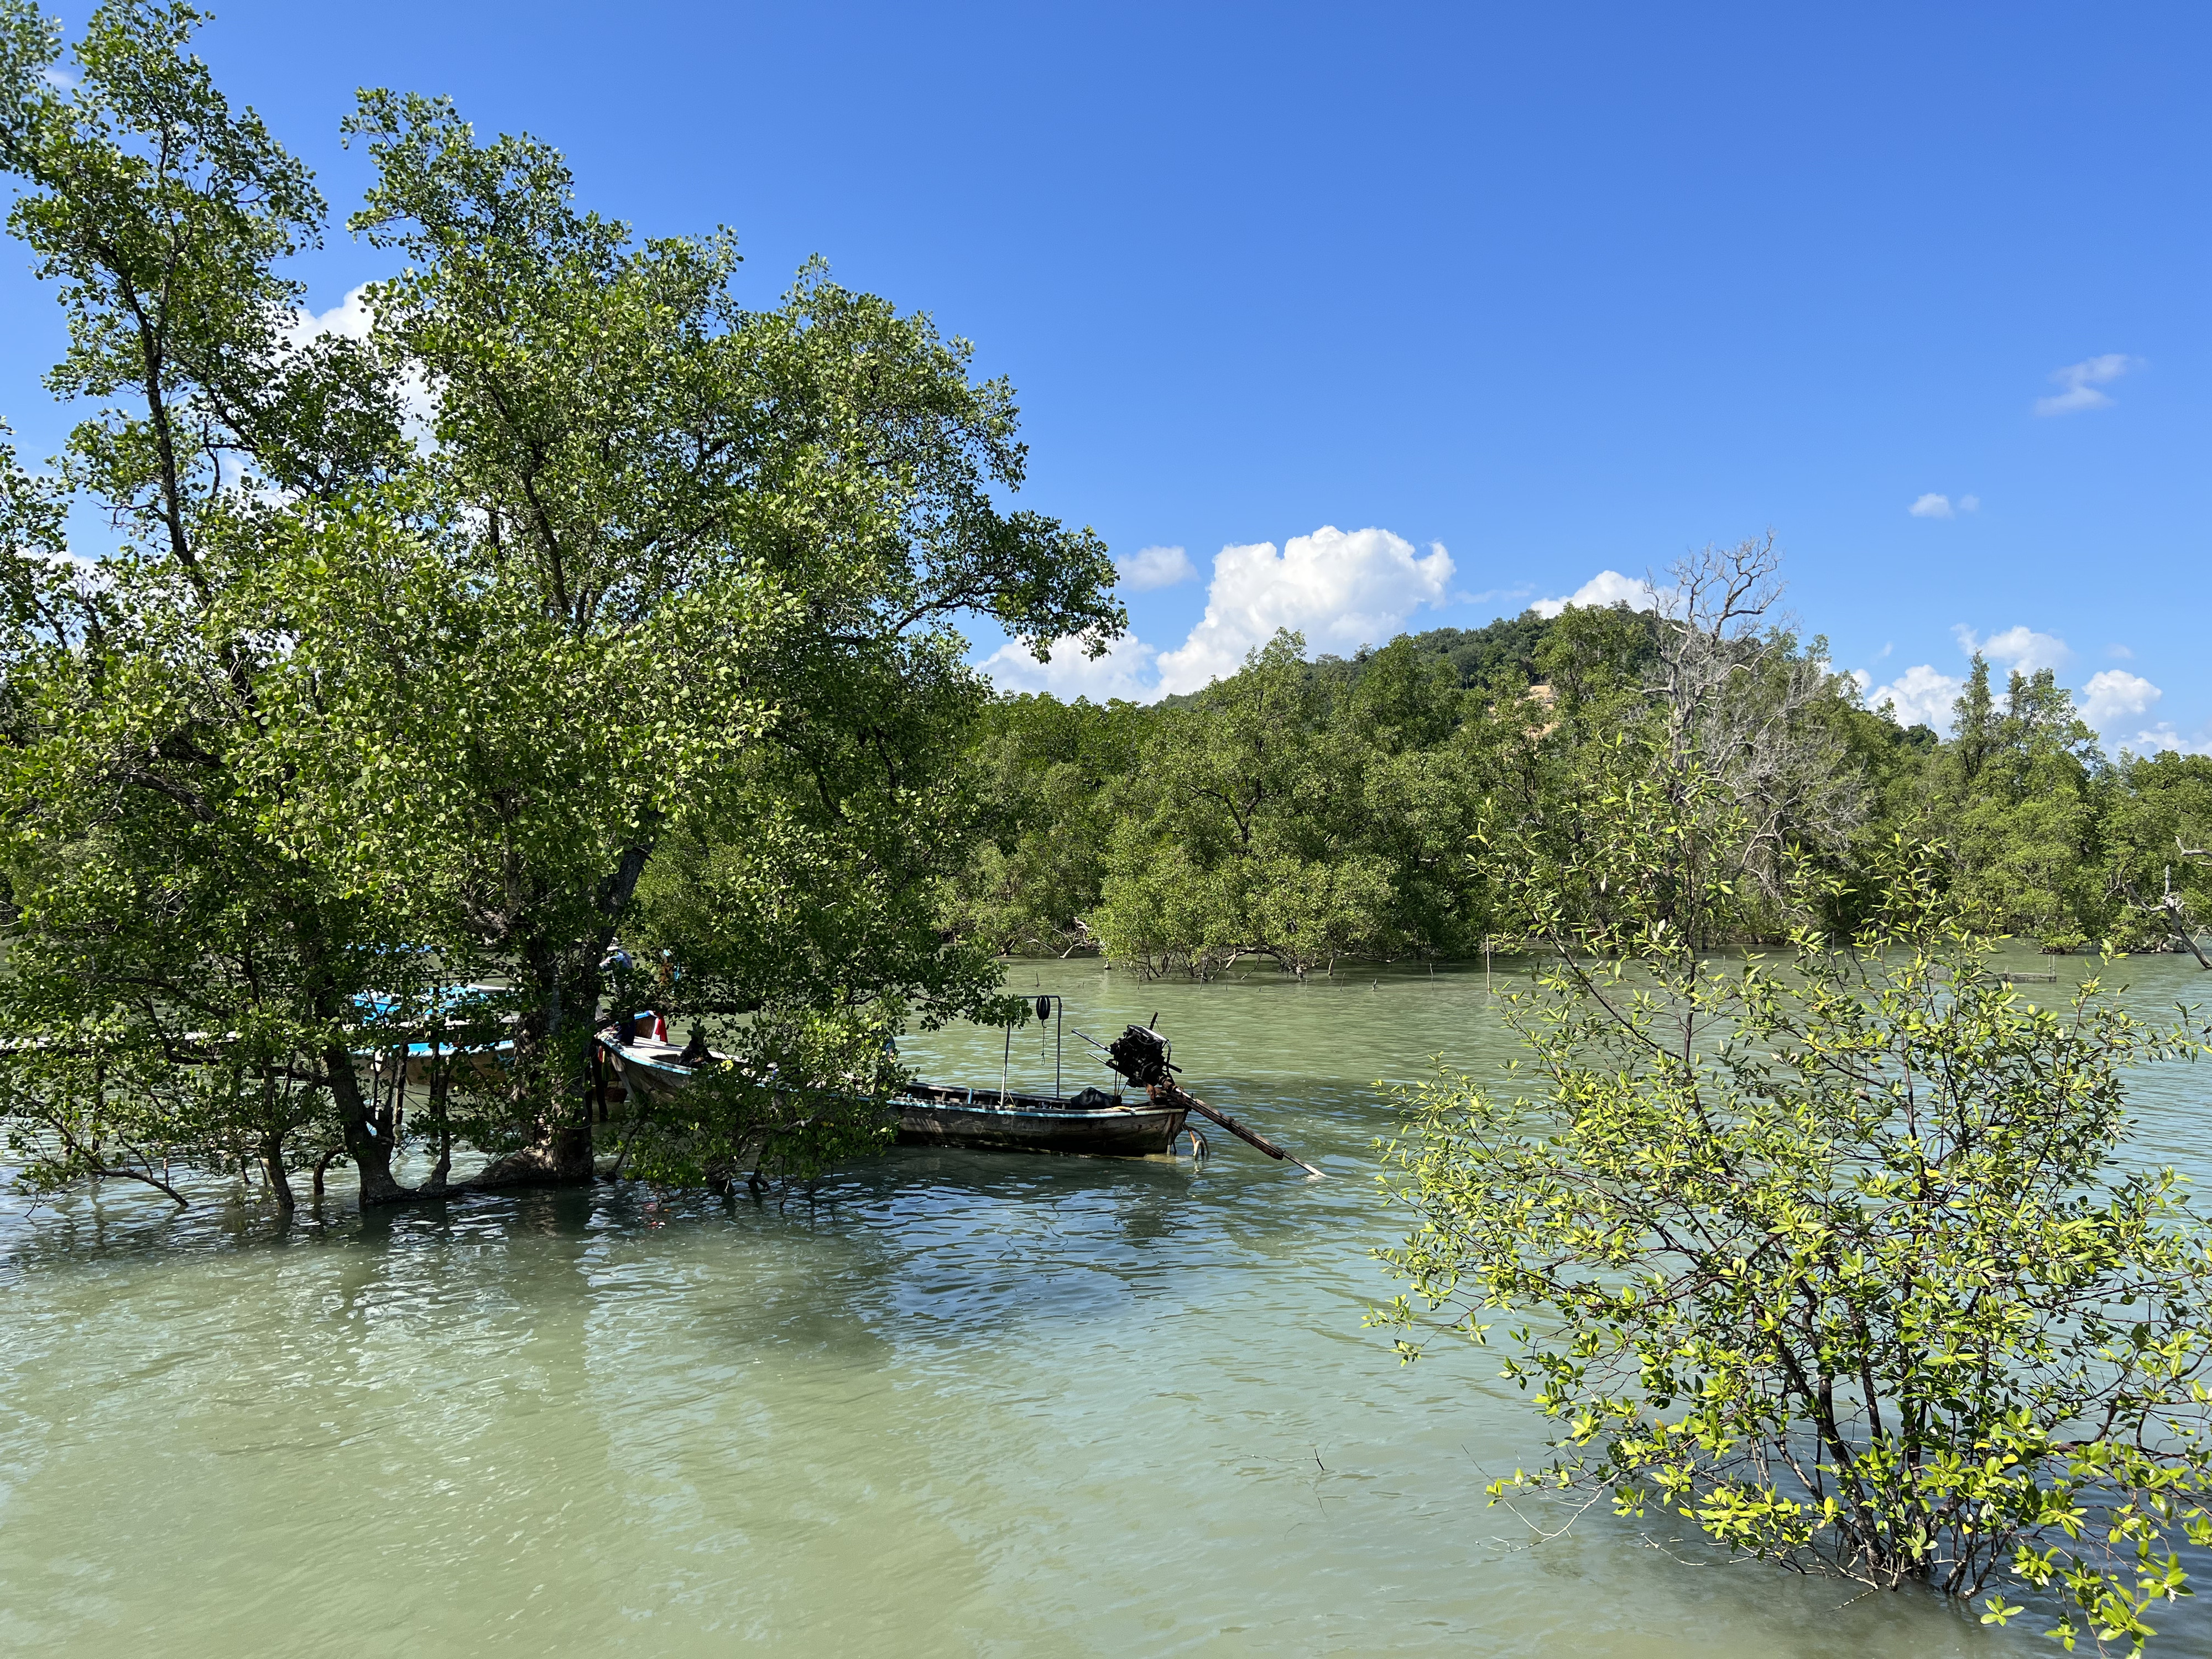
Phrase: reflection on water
x=962 y=1403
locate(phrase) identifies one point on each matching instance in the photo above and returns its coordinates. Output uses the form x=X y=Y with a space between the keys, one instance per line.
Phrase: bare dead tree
x=1736 y=694
x=2177 y=915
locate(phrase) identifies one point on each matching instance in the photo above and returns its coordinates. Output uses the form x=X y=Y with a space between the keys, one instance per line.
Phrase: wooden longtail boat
x=1092 y=1122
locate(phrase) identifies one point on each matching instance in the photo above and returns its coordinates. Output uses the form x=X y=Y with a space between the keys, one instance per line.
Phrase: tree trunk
x=370 y=1149
x=566 y=978
x=440 y=1085
x=558 y=1153
x=272 y=1165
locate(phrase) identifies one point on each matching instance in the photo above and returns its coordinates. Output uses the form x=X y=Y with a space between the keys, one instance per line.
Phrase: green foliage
x=1040 y=771
x=2027 y=817
x=2156 y=833
x=1297 y=814
x=162 y=929
x=804 y=1089
x=374 y=704
x=1302 y=813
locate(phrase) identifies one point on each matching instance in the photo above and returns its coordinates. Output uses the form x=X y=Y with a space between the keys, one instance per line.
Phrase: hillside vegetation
x=1312 y=813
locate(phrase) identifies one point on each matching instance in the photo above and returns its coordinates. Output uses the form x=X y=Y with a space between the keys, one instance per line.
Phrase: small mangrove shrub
x=1832 y=1257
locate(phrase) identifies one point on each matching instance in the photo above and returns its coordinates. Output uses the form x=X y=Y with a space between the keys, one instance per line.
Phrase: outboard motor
x=1140 y=1054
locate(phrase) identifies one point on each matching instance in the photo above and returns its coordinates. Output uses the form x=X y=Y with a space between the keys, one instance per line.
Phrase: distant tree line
x=1311 y=813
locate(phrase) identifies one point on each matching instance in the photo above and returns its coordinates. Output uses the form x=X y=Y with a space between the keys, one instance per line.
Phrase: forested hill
x=1506 y=652
x=1313 y=812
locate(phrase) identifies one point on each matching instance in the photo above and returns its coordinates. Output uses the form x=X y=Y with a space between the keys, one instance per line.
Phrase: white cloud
x=349 y=318
x=1518 y=590
x=2113 y=701
x=2121 y=652
x=1933 y=506
x=1609 y=587
x=1156 y=566
x=2115 y=698
x=2021 y=647
x=1125 y=671
x=1340 y=589
x=2113 y=694
x=2162 y=736
x=1918 y=696
x=2081 y=380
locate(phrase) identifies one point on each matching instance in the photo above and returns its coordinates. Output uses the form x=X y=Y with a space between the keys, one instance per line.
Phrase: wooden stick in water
x=1235 y=1127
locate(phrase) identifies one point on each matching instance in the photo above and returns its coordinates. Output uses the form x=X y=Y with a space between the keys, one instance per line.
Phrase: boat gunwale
x=994 y=1104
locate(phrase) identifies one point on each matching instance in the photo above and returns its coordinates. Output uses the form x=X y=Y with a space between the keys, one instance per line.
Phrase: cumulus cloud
x=350 y=319
x=1609 y=587
x=2020 y=647
x=2081 y=382
x=1125 y=671
x=1155 y=567
x=1918 y=696
x=2113 y=695
x=2114 y=700
x=1341 y=589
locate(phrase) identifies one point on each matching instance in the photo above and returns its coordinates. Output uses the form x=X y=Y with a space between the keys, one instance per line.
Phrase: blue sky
x=1557 y=290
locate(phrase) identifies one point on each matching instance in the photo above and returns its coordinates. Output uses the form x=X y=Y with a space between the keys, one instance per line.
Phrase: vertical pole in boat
x=1006 y=1068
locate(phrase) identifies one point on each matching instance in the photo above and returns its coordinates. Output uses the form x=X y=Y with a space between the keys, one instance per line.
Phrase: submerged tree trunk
x=272 y=1165
x=552 y=1065
x=367 y=1142
x=441 y=1126
x=553 y=1080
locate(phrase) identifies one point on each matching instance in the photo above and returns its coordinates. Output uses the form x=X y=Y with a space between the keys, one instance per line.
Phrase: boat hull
x=979 y=1119
x=976 y=1118
x=648 y=1071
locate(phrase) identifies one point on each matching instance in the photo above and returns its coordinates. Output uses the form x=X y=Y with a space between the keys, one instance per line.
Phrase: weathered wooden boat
x=1090 y=1122
x=648 y=1068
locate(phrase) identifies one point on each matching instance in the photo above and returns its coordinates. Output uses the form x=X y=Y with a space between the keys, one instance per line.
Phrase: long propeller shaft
x=1182 y=1097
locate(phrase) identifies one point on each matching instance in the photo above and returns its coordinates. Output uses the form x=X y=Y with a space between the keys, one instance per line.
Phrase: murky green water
x=970 y=1403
